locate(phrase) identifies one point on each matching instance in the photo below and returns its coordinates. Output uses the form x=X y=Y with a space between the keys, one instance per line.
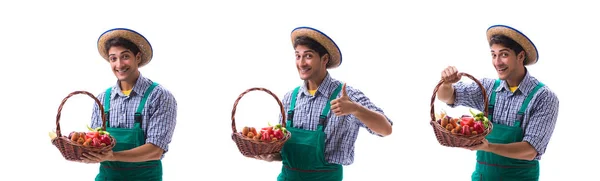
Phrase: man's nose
x=496 y=60
x=118 y=63
x=302 y=60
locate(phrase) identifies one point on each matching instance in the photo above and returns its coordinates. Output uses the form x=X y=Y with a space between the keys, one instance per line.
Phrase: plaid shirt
x=341 y=131
x=159 y=114
x=539 y=119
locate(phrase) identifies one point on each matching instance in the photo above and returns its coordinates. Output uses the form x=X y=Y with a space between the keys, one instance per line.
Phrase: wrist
x=447 y=84
x=490 y=148
x=358 y=109
x=114 y=156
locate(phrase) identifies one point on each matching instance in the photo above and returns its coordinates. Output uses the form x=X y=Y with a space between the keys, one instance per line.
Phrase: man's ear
x=325 y=59
x=521 y=57
x=138 y=58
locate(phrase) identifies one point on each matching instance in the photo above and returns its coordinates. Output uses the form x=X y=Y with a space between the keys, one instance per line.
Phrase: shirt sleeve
x=360 y=98
x=541 y=124
x=286 y=106
x=470 y=94
x=96 y=115
x=163 y=117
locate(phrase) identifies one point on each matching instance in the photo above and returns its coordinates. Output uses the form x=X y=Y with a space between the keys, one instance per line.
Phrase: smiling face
x=311 y=60
x=124 y=63
x=310 y=64
x=507 y=63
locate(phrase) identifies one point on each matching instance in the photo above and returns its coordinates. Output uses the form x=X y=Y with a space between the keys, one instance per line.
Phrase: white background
x=392 y=52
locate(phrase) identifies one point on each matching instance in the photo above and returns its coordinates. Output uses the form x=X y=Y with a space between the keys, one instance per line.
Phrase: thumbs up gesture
x=343 y=106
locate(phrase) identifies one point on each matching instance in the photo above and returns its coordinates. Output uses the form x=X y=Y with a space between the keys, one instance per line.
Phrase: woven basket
x=250 y=147
x=73 y=151
x=445 y=137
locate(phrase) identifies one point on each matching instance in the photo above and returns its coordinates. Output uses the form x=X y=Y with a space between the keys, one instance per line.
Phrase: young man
x=522 y=109
x=141 y=114
x=324 y=115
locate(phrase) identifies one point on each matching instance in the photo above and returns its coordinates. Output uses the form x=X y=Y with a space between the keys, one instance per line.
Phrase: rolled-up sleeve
x=161 y=124
x=540 y=125
x=470 y=94
x=360 y=98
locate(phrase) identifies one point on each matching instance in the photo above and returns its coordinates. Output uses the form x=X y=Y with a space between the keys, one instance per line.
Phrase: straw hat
x=335 y=55
x=520 y=38
x=133 y=36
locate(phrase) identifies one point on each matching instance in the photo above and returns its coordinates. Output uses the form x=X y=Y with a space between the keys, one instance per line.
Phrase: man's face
x=123 y=63
x=506 y=61
x=309 y=63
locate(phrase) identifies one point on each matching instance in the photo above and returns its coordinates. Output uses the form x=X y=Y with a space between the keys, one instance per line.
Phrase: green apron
x=493 y=167
x=303 y=155
x=129 y=139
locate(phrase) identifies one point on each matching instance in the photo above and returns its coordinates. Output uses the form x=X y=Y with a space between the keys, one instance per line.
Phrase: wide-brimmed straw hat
x=530 y=49
x=335 y=55
x=133 y=36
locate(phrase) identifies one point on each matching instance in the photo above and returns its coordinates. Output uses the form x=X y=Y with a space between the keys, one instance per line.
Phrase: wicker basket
x=73 y=151
x=445 y=137
x=250 y=147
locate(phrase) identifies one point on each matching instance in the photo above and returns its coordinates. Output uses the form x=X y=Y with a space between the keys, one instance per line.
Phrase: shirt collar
x=326 y=88
x=142 y=83
x=525 y=87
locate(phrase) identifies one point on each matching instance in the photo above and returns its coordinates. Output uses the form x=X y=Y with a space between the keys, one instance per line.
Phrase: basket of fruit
x=463 y=131
x=268 y=140
x=76 y=143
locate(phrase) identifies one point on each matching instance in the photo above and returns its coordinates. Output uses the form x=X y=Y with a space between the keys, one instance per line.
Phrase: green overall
x=493 y=167
x=303 y=155
x=128 y=139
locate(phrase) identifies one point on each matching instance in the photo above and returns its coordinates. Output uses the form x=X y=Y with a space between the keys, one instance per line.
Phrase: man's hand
x=483 y=146
x=268 y=157
x=97 y=158
x=343 y=106
x=450 y=75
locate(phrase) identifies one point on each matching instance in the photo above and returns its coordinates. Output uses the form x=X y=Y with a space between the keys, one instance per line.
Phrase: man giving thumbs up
x=324 y=115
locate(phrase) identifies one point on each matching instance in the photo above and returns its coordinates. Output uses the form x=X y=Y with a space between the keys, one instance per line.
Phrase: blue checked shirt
x=159 y=115
x=539 y=119
x=341 y=131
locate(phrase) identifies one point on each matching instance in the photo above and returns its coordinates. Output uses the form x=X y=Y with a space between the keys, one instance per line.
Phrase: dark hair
x=311 y=44
x=507 y=42
x=121 y=42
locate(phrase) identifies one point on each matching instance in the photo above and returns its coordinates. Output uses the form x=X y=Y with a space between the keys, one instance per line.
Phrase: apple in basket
x=269 y=133
x=473 y=124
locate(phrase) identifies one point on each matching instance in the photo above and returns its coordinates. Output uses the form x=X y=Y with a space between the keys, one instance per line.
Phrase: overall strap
x=138 y=112
x=493 y=100
x=107 y=105
x=290 y=113
x=327 y=107
x=521 y=112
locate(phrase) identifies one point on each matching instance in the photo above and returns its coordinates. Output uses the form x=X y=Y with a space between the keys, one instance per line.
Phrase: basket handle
x=255 y=89
x=69 y=96
x=485 y=98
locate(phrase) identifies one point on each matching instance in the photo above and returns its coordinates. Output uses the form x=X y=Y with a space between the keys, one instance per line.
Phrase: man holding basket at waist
x=522 y=109
x=141 y=114
x=324 y=115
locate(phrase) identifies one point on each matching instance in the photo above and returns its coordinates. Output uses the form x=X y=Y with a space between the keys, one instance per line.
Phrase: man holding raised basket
x=141 y=114
x=324 y=115
x=522 y=109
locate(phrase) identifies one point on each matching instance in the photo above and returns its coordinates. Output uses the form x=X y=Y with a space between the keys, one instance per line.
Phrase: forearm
x=375 y=121
x=146 y=152
x=519 y=150
x=445 y=93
